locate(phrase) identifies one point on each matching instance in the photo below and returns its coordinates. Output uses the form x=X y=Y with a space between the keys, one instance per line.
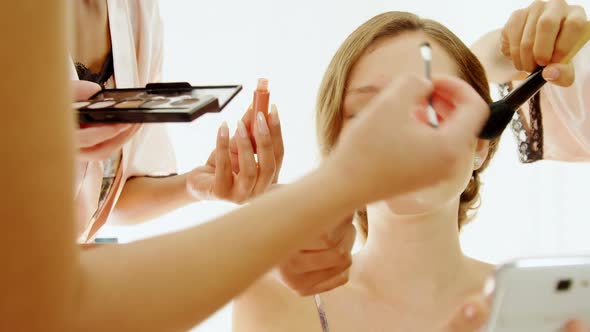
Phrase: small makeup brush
x=426 y=53
x=502 y=111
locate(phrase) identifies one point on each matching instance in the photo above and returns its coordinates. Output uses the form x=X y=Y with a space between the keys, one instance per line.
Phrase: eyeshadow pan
x=80 y=104
x=185 y=102
x=134 y=103
x=154 y=103
x=102 y=104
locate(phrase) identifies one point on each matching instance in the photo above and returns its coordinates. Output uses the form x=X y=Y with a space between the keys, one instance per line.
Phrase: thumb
x=470 y=317
x=84 y=90
x=560 y=74
x=470 y=110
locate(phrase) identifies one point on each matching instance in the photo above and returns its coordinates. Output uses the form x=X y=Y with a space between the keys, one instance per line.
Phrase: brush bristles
x=426 y=51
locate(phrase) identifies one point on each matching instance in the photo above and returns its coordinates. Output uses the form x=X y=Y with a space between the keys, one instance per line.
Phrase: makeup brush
x=502 y=111
x=426 y=53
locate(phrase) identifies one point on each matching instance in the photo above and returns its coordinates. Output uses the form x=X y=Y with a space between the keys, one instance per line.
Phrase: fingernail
x=224 y=130
x=469 y=311
x=542 y=63
x=274 y=116
x=242 y=129
x=551 y=74
x=262 y=126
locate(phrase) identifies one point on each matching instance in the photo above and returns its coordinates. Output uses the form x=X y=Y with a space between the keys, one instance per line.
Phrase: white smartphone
x=539 y=294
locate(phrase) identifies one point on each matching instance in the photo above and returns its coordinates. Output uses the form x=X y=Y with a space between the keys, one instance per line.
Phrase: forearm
x=37 y=251
x=145 y=198
x=177 y=280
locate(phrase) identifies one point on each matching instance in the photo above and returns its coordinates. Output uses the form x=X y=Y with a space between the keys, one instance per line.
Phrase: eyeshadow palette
x=157 y=102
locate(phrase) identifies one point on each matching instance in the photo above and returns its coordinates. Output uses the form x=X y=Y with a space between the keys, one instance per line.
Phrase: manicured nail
x=274 y=116
x=242 y=129
x=469 y=311
x=542 y=63
x=551 y=73
x=224 y=130
x=262 y=126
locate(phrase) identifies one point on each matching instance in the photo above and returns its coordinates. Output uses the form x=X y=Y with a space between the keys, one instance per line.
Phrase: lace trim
x=529 y=140
x=107 y=71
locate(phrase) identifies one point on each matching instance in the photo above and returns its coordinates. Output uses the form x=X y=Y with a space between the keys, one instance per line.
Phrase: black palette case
x=157 y=102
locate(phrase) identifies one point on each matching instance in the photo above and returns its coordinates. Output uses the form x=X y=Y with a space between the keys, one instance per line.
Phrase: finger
x=248 y=168
x=514 y=30
x=92 y=136
x=305 y=262
x=211 y=160
x=415 y=90
x=266 y=157
x=470 y=317
x=247 y=120
x=277 y=140
x=233 y=146
x=505 y=43
x=343 y=232
x=334 y=238
x=527 y=41
x=84 y=90
x=560 y=74
x=548 y=28
x=304 y=284
x=105 y=149
x=223 y=170
x=470 y=110
x=248 y=117
x=570 y=33
x=235 y=158
x=574 y=326
x=330 y=284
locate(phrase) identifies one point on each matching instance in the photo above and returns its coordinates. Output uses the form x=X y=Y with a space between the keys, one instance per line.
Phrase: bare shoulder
x=268 y=306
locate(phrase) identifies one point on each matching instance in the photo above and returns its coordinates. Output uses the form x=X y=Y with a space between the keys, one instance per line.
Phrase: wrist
x=339 y=185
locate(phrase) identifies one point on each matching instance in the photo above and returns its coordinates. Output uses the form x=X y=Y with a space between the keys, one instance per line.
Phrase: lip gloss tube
x=260 y=104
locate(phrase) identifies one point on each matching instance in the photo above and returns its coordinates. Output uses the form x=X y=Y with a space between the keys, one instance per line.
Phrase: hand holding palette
x=157 y=102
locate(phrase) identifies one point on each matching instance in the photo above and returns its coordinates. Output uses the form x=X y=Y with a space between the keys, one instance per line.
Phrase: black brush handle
x=502 y=111
x=533 y=83
x=500 y=116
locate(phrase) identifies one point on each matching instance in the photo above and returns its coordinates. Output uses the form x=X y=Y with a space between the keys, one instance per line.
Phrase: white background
x=527 y=209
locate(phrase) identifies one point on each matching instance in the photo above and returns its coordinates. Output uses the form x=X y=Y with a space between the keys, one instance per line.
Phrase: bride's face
x=383 y=61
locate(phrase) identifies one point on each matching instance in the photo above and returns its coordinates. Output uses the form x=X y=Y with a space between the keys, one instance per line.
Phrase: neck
x=406 y=254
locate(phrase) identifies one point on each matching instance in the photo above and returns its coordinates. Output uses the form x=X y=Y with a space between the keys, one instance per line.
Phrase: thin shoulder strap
x=322 y=314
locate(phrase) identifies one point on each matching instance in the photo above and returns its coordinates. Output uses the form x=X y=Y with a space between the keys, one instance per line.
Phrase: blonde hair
x=329 y=117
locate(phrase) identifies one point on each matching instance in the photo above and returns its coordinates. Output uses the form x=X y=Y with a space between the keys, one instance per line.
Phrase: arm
x=543 y=34
x=173 y=268
x=39 y=272
x=144 y=198
x=175 y=281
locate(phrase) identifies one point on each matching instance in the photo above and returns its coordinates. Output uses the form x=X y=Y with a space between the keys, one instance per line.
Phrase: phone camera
x=564 y=285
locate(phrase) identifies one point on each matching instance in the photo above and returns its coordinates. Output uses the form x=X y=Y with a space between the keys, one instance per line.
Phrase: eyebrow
x=371 y=89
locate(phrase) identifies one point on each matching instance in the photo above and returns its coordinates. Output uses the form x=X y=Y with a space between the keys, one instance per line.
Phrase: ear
x=481 y=152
